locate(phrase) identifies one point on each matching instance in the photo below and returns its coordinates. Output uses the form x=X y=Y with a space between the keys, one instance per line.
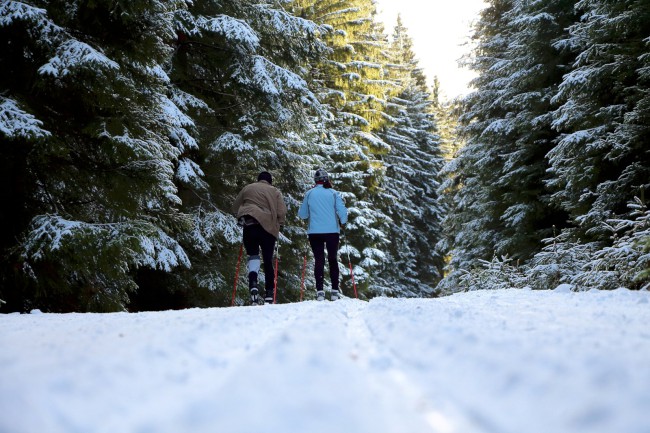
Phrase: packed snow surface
x=507 y=361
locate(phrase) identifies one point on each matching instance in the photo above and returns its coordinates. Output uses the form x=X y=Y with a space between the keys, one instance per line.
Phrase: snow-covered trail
x=490 y=361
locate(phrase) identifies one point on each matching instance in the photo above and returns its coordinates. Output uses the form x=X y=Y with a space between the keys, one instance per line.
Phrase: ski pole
x=275 y=278
x=302 y=278
x=234 y=289
x=347 y=250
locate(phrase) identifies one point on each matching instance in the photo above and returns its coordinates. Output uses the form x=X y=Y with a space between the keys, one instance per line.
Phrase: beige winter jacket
x=265 y=203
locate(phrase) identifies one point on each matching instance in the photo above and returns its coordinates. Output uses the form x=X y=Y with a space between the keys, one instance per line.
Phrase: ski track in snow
x=482 y=362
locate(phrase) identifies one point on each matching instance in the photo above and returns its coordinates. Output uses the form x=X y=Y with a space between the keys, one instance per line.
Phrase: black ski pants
x=318 y=242
x=255 y=237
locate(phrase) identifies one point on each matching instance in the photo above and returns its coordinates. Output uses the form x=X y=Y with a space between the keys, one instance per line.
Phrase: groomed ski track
x=502 y=362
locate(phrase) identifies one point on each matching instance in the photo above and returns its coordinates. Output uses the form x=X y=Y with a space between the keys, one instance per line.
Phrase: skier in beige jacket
x=260 y=209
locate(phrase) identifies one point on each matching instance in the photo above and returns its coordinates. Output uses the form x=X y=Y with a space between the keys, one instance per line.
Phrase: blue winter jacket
x=322 y=206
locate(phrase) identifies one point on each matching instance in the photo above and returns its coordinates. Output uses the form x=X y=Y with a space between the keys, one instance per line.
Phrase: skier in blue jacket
x=325 y=210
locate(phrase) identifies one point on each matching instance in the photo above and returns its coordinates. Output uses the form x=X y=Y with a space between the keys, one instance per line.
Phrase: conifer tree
x=237 y=71
x=410 y=185
x=503 y=206
x=351 y=83
x=524 y=135
x=602 y=161
x=568 y=81
x=472 y=224
x=446 y=113
x=93 y=146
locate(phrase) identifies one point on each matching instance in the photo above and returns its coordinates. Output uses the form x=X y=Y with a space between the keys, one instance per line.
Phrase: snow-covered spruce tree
x=446 y=115
x=644 y=276
x=625 y=263
x=473 y=224
x=91 y=143
x=532 y=73
x=584 y=265
x=350 y=83
x=498 y=274
x=507 y=125
x=559 y=261
x=414 y=266
x=602 y=159
x=599 y=161
x=238 y=71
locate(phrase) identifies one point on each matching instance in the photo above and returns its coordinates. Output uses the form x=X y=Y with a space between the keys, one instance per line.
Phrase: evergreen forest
x=128 y=127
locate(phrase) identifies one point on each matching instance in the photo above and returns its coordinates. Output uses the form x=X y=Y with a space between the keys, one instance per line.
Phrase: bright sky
x=438 y=29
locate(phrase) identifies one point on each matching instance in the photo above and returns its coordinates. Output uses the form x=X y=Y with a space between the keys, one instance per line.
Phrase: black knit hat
x=265 y=175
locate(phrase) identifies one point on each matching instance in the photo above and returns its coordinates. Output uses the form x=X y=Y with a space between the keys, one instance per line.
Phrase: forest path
x=507 y=361
x=324 y=363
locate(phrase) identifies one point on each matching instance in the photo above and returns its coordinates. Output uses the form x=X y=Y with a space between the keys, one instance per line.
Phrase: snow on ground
x=488 y=361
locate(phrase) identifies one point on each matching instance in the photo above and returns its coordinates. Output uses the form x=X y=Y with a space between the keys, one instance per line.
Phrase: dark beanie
x=265 y=175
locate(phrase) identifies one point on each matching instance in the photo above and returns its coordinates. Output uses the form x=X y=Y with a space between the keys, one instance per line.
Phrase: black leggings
x=254 y=238
x=318 y=242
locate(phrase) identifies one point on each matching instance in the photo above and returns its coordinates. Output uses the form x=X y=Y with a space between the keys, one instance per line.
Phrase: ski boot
x=320 y=295
x=255 y=297
x=335 y=295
